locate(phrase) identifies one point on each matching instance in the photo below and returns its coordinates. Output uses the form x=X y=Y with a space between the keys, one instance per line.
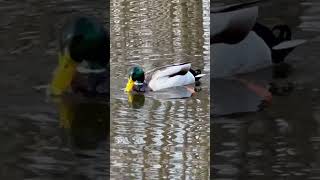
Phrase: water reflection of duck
x=136 y=100
x=162 y=78
x=86 y=121
x=83 y=58
x=240 y=45
x=249 y=93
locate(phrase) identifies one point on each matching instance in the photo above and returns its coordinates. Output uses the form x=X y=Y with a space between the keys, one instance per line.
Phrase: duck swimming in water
x=239 y=44
x=161 y=78
x=83 y=58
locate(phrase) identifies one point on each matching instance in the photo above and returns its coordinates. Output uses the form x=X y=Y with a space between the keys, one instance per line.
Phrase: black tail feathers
x=272 y=37
x=195 y=73
x=275 y=36
x=281 y=33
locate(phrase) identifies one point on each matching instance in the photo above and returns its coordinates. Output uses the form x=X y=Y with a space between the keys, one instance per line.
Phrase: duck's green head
x=136 y=76
x=85 y=39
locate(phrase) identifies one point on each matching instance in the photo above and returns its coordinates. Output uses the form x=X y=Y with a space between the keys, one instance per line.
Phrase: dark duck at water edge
x=83 y=58
x=239 y=44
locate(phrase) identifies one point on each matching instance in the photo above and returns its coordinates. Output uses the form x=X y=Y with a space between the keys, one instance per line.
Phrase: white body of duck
x=171 y=76
x=229 y=59
x=231 y=27
x=235 y=47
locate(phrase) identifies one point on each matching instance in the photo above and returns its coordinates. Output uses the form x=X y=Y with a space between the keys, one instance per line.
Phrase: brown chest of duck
x=83 y=58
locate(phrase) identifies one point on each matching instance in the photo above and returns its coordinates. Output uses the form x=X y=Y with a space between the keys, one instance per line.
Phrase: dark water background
x=43 y=138
x=282 y=140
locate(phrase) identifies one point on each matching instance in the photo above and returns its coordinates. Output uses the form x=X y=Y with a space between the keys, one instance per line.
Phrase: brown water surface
x=160 y=135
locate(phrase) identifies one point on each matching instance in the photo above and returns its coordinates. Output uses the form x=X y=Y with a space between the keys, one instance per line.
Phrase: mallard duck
x=240 y=45
x=83 y=57
x=161 y=78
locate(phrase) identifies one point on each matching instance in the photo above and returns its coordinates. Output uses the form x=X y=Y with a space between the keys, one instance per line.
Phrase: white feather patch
x=247 y=56
x=164 y=82
x=289 y=44
x=200 y=75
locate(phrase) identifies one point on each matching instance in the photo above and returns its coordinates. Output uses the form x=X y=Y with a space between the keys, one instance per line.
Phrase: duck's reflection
x=250 y=92
x=86 y=121
x=277 y=135
x=137 y=100
x=231 y=96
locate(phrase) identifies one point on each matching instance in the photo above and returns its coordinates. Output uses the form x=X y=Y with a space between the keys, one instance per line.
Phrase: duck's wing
x=169 y=70
x=232 y=26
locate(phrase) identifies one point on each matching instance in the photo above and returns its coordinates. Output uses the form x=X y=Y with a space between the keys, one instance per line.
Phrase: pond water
x=160 y=135
x=279 y=140
x=43 y=138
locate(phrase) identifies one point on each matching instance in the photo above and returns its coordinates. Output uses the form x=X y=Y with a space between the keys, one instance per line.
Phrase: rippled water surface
x=160 y=135
x=281 y=140
x=45 y=138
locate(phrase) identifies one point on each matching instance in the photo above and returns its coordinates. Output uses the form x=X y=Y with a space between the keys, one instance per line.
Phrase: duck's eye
x=134 y=78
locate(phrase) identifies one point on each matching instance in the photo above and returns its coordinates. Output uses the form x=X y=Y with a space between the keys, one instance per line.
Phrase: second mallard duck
x=161 y=78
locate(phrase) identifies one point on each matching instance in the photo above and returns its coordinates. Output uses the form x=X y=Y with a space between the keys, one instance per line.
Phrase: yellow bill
x=63 y=75
x=130 y=85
